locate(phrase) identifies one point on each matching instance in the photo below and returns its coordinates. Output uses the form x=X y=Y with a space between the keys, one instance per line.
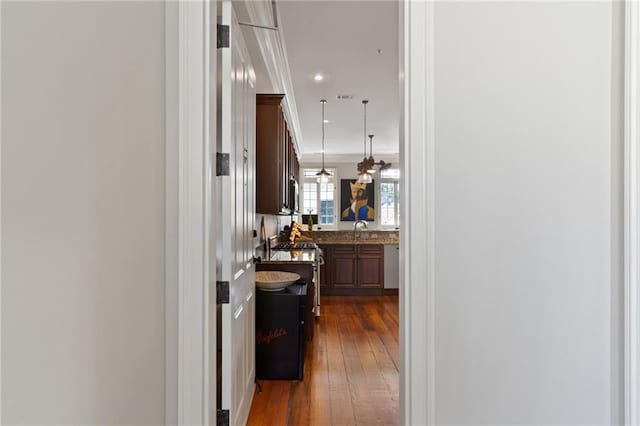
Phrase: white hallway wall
x=83 y=172
x=527 y=211
x=528 y=181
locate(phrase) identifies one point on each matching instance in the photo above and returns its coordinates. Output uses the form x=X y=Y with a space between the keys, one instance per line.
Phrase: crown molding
x=308 y=159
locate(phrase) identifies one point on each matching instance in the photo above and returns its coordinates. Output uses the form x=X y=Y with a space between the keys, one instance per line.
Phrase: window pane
x=326 y=191
x=398 y=203
x=310 y=198
x=326 y=212
x=390 y=173
x=387 y=203
x=319 y=198
x=326 y=203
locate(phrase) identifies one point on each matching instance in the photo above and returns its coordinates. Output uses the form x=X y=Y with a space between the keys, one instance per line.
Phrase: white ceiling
x=340 y=40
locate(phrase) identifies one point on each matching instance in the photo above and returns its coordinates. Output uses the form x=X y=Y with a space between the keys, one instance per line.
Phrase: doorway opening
x=342 y=53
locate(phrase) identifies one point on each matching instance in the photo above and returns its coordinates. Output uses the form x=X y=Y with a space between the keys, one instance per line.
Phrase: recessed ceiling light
x=318 y=77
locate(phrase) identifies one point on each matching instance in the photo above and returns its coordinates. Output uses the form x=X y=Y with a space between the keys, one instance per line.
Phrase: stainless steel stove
x=295 y=246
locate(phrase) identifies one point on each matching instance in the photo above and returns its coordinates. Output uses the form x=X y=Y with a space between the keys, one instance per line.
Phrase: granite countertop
x=291 y=256
x=347 y=237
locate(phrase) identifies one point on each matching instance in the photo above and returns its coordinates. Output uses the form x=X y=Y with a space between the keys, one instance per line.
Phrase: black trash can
x=280 y=343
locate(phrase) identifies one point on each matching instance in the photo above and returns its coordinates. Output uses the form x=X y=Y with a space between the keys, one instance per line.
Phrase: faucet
x=360 y=224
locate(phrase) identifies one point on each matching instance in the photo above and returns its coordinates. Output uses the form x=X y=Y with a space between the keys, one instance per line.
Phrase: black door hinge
x=222 y=417
x=222 y=164
x=222 y=36
x=222 y=292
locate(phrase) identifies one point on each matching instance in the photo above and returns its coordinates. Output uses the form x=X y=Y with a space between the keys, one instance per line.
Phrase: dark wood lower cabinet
x=370 y=272
x=353 y=269
x=325 y=267
x=344 y=264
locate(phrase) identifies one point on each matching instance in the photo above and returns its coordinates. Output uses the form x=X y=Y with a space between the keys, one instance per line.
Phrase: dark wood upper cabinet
x=285 y=173
x=276 y=161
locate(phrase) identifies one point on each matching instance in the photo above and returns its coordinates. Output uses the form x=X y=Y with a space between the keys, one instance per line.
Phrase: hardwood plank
x=351 y=369
x=271 y=407
x=320 y=408
x=387 y=329
x=371 y=390
x=339 y=391
x=388 y=367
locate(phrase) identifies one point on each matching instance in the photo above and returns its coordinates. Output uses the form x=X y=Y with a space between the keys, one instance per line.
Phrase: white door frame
x=417 y=142
x=192 y=402
x=0 y=214
x=631 y=215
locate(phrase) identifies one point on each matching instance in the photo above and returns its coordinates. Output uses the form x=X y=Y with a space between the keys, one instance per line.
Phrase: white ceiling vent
x=344 y=97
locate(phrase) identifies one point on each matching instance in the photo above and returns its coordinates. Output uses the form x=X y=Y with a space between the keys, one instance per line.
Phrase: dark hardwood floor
x=351 y=369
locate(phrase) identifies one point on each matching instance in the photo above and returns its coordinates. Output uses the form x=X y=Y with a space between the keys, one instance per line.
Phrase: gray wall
x=527 y=244
x=83 y=184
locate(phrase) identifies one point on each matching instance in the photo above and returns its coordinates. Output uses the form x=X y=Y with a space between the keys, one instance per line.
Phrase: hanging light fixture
x=363 y=167
x=370 y=160
x=366 y=168
x=323 y=175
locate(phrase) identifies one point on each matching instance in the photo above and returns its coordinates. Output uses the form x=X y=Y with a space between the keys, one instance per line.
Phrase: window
x=390 y=174
x=312 y=173
x=326 y=203
x=319 y=198
x=390 y=197
x=310 y=198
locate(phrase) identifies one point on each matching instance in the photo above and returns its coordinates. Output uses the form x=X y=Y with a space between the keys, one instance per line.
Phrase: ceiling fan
x=367 y=166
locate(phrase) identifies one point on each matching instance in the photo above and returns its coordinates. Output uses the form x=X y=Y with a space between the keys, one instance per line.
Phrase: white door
x=236 y=210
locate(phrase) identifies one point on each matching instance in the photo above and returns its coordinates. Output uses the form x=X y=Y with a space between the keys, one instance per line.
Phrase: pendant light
x=370 y=160
x=323 y=175
x=366 y=168
x=363 y=167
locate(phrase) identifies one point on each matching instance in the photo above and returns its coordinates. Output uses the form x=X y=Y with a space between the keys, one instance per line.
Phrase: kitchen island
x=356 y=263
x=352 y=237
x=303 y=263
